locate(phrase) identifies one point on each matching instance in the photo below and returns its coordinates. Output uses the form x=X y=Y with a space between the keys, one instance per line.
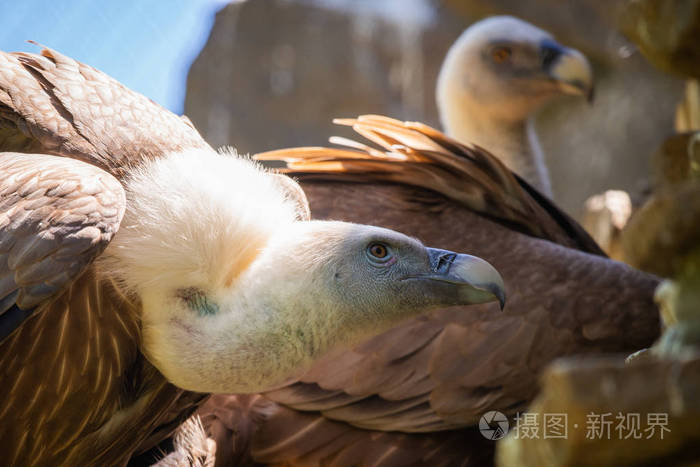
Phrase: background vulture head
x=507 y=68
x=239 y=293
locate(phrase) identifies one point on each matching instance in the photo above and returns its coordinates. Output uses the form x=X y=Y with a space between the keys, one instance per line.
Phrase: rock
x=281 y=85
x=679 y=301
x=666 y=32
x=260 y=88
x=642 y=413
x=665 y=230
x=688 y=110
x=677 y=160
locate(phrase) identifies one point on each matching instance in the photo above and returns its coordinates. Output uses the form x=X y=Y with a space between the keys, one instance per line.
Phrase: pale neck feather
x=514 y=142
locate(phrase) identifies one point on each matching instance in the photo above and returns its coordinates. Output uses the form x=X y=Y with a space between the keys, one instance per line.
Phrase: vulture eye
x=500 y=54
x=379 y=252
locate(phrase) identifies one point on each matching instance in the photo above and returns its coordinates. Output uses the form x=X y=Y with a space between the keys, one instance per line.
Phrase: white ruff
x=192 y=221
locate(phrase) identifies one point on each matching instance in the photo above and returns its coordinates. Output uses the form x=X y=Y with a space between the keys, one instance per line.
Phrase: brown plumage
x=133 y=258
x=53 y=104
x=57 y=215
x=252 y=430
x=388 y=401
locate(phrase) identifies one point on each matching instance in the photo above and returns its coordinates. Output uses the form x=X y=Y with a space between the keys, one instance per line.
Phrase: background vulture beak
x=569 y=68
x=476 y=279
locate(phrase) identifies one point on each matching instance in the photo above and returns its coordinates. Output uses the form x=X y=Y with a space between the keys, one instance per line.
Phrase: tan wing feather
x=50 y=103
x=56 y=216
x=418 y=155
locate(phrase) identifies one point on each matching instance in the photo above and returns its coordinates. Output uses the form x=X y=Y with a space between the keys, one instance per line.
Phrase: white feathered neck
x=185 y=226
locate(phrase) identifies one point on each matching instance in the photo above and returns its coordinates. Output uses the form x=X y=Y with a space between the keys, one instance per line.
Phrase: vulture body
x=140 y=269
x=495 y=77
x=411 y=395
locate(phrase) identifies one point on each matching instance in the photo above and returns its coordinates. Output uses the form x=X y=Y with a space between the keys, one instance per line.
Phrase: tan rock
x=602 y=399
x=665 y=230
x=677 y=160
x=666 y=32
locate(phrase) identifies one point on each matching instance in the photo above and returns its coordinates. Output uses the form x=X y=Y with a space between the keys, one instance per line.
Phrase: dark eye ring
x=500 y=54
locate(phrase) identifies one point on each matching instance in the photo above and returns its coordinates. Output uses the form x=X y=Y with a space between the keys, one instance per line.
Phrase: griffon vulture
x=494 y=78
x=407 y=396
x=140 y=269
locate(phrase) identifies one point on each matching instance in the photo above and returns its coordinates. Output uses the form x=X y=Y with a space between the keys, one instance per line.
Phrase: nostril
x=440 y=260
x=444 y=262
x=549 y=51
x=548 y=57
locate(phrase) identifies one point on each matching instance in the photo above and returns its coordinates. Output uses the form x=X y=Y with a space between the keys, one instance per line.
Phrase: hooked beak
x=569 y=68
x=478 y=281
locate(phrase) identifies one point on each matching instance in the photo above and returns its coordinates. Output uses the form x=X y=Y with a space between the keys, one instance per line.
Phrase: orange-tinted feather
x=417 y=155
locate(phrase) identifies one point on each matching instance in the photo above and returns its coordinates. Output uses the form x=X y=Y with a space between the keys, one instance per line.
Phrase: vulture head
x=508 y=68
x=238 y=293
x=494 y=77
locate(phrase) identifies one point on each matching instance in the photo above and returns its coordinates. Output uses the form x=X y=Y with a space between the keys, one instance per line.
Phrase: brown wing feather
x=418 y=155
x=50 y=103
x=77 y=389
x=56 y=217
x=252 y=429
x=442 y=371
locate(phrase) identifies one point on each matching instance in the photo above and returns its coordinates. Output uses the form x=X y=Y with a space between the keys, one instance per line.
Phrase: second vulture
x=494 y=79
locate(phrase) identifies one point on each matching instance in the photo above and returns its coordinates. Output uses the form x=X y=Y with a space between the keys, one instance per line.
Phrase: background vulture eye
x=500 y=54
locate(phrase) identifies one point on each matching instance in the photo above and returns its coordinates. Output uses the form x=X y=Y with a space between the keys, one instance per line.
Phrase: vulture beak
x=567 y=67
x=476 y=280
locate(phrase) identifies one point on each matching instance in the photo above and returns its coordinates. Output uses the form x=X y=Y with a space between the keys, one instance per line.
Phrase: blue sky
x=148 y=45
